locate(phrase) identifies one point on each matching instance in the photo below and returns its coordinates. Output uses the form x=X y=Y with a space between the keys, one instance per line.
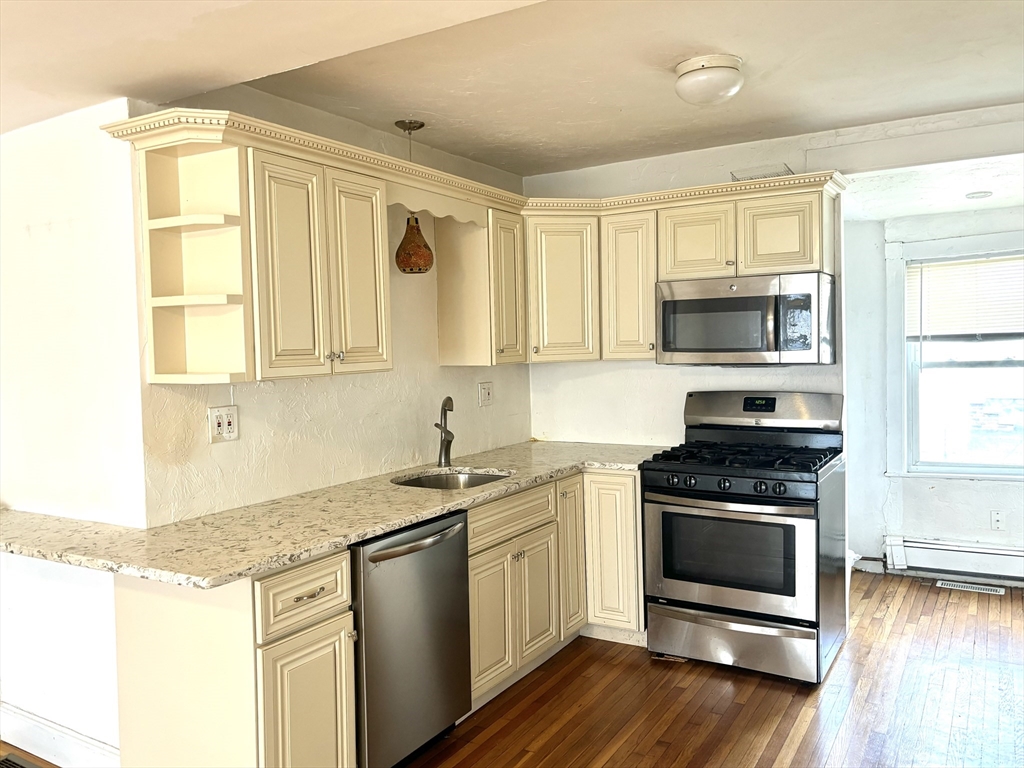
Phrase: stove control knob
x=672 y=480
x=690 y=481
x=779 y=489
x=760 y=487
x=724 y=484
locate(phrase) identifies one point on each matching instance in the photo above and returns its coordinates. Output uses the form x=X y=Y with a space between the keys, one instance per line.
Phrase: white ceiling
x=939 y=188
x=564 y=85
x=60 y=55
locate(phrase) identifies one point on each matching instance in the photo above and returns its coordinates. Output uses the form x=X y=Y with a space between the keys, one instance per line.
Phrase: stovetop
x=747 y=456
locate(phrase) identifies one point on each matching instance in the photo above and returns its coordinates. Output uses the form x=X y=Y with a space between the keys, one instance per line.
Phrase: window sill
x=953 y=476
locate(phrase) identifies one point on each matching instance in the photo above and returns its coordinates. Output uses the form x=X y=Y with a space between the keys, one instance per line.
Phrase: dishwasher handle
x=415 y=546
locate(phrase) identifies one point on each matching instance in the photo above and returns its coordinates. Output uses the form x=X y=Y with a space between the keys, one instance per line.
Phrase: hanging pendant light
x=413 y=255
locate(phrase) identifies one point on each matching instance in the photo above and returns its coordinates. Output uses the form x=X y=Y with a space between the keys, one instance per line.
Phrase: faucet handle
x=446 y=433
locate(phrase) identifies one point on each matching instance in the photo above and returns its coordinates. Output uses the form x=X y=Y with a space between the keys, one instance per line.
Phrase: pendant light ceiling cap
x=709 y=79
x=408 y=126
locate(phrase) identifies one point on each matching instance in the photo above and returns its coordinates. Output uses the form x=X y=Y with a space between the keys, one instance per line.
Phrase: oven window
x=729 y=553
x=715 y=325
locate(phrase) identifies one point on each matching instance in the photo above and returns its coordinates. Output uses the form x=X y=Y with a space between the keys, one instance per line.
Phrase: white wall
x=318 y=431
x=918 y=507
x=70 y=414
x=249 y=101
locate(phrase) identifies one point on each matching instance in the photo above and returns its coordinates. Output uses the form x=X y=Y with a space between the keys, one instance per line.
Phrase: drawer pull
x=310 y=596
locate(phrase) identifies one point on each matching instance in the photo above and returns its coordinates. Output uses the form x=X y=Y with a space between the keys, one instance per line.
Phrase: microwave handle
x=771 y=324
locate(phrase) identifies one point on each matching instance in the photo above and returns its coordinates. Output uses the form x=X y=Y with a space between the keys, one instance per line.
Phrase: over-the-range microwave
x=768 y=319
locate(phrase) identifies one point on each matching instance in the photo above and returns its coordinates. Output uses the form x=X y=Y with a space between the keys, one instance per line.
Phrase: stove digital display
x=759 y=404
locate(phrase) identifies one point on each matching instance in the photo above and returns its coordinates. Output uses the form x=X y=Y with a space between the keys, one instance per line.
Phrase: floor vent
x=971 y=587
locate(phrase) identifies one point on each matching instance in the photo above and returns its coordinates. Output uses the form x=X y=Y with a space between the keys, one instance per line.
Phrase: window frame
x=903 y=383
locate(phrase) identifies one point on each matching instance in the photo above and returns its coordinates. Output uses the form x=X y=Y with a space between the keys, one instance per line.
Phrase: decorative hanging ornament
x=413 y=256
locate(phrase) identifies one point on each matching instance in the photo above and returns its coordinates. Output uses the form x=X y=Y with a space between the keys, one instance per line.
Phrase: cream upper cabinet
x=537 y=592
x=613 y=580
x=629 y=268
x=492 y=616
x=481 y=290
x=292 y=297
x=572 y=581
x=508 y=287
x=780 y=233
x=697 y=240
x=562 y=253
x=307 y=699
x=357 y=246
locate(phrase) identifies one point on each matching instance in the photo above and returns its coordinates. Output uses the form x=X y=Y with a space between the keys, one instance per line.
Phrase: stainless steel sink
x=450 y=480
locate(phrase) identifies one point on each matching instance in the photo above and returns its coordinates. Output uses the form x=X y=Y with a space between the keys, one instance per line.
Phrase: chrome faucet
x=444 y=456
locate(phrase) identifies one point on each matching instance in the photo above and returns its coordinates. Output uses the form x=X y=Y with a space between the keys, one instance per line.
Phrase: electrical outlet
x=223 y=421
x=485 y=393
x=997 y=520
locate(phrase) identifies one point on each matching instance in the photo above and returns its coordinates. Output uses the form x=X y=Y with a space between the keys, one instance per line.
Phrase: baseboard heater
x=954 y=557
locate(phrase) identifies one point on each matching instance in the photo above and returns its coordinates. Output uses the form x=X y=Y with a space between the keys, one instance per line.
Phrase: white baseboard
x=940 y=556
x=615 y=635
x=53 y=742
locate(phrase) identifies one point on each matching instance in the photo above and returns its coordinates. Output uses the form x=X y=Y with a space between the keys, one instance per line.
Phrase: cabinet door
x=492 y=617
x=781 y=233
x=563 y=288
x=572 y=578
x=697 y=241
x=358 y=251
x=537 y=593
x=612 y=564
x=628 y=274
x=508 y=287
x=292 y=296
x=306 y=693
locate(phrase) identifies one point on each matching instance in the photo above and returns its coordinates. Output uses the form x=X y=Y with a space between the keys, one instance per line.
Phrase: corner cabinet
x=563 y=276
x=629 y=271
x=321 y=266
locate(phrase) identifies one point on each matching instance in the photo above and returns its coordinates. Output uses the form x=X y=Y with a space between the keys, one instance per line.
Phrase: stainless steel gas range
x=745 y=534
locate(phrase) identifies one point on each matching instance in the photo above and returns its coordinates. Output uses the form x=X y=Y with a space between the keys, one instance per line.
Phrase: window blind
x=954 y=299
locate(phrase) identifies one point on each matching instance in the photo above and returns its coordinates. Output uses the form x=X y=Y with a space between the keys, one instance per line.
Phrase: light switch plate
x=485 y=393
x=223 y=422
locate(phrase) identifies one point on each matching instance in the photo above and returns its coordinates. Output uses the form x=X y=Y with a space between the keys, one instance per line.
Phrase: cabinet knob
x=651 y=346
x=732 y=287
x=730 y=263
x=535 y=350
x=340 y=356
x=501 y=351
x=330 y=356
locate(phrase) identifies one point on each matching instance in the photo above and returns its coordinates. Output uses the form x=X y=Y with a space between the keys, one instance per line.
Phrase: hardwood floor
x=928 y=677
x=7 y=749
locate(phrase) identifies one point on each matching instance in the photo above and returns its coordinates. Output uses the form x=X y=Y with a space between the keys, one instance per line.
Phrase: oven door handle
x=747 y=626
x=750 y=509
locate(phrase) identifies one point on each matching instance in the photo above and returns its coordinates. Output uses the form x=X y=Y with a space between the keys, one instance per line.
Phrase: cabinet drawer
x=301 y=596
x=507 y=518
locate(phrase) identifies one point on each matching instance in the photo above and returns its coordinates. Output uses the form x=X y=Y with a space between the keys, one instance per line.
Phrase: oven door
x=728 y=321
x=745 y=557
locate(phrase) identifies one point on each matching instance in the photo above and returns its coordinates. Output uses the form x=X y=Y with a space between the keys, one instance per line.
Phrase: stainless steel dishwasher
x=411 y=603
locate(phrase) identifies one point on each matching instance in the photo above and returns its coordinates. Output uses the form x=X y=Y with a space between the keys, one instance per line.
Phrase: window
x=965 y=365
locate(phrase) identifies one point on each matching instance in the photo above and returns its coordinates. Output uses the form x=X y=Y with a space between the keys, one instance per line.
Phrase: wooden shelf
x=196 y=378
x=196 y=300
x=195 y=222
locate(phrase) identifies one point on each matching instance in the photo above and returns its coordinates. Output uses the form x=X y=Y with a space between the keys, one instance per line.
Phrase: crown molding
x=180 y=126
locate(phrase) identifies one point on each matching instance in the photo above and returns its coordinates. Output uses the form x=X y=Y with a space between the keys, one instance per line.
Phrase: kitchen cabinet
x=306 y=698
x=783 y=233
x=628 y=276
x=481 y=290
x=563 y=277
x=321 y=269
x=537 y=593
x=697 y=240
x=612 y=545
x=243 y=674
x=572 y=580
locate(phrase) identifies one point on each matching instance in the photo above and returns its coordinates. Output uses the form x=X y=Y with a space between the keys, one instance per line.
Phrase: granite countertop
x=219 y=548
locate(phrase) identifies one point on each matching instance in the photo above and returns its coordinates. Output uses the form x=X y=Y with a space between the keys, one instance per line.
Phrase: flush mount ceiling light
x=706 y=80
x=980 y=195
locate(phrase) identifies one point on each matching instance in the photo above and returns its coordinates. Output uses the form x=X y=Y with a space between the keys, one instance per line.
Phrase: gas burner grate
x=748 y=456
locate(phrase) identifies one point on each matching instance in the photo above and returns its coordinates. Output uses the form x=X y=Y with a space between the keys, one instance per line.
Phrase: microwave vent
x=762 y=172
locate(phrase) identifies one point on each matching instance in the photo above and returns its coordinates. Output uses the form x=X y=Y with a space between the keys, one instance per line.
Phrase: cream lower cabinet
x=629 y=267
x=513 y=605
x=320 y=260
x=563 y=276
x=613 y=555
x=572 y=582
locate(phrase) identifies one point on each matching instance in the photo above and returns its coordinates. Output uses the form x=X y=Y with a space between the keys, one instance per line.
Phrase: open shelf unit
x=198 y=286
